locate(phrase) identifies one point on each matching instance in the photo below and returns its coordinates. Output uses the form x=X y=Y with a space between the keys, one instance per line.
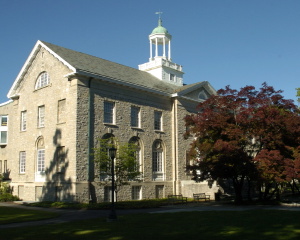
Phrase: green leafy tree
x=126 y=163
x=244 y=135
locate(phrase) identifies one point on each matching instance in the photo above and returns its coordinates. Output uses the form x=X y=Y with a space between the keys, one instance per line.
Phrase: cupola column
x=164 y=51
x=169 y=51
x=156 y=48
x=151 y=50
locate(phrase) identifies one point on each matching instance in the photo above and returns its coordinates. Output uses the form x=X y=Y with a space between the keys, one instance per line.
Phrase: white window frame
x=40 y=160
x=109 y=112
x=24 y=120
x=41 y=116
x=3 y=129
x=158 y=161
x=135 y=114
x=136 y=192
x=22 y=162
x=107 y=194
x=172 y=77
x=42 y=81
x=158 y=120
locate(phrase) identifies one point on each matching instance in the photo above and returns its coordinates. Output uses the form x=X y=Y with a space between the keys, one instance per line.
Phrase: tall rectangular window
x=61 y=111
x=22 y=161
x=3 y=120
x=157 y=161
x=3 y=137
x=23 y=120
x=135 y=116
x=1 y=167
x=107 y=194
x=109 y=112
x=3 y=129
x=41 y=160
x=136 y=192
x=41 y=116
x=157 y=120
x=172 y=77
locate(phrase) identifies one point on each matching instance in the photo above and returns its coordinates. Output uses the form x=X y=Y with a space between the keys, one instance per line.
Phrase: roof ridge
x=69 y=49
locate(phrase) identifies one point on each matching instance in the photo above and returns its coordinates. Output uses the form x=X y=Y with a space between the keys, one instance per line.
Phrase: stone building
x=62 y=102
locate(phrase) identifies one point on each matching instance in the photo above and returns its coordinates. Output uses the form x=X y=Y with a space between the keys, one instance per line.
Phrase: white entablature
x=160 y=63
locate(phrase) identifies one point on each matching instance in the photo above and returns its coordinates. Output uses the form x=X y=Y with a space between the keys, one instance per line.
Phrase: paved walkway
x=74 y=215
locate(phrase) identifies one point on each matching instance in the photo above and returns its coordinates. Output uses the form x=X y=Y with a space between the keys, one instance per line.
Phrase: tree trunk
x=249 y=195
x=238 y=188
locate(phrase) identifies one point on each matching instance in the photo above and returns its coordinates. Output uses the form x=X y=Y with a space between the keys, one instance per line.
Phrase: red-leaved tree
x=245 y=135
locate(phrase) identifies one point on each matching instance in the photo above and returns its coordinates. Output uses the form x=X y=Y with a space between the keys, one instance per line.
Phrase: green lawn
x=12 y=215
x=214 y=225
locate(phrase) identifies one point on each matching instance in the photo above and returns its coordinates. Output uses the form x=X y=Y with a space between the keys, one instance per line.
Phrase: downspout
x=175 y=151
x=89 y=172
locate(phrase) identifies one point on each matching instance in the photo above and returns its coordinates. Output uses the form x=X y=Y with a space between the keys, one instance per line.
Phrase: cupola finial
x=159 y=18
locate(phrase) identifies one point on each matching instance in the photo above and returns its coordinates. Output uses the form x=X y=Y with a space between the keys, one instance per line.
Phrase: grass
x=12 y=215
x=214 y=225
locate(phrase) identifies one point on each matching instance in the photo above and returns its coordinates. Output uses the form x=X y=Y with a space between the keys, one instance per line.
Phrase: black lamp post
x=112 y=154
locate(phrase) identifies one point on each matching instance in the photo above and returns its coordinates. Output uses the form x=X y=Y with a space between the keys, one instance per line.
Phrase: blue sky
x=225 y=42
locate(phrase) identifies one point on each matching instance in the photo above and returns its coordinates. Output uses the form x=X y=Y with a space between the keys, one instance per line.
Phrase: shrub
x=151 y=203
x=8 y=197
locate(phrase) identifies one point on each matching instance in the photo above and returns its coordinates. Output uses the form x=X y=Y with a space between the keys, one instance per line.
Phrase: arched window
x=42 y=81
x=138 y=154
x=202 y=95
x=158 y=161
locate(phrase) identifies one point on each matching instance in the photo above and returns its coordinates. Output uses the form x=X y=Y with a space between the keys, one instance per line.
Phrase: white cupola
x=160 y=63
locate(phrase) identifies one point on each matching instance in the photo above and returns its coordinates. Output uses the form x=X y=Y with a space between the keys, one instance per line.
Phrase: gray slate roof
x=103 y=68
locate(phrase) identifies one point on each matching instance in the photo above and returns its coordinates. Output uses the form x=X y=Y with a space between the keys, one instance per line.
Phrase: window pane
x=41 y=160
x=172 y=77
x=107 y=194
x=22 y=162
x=157 y=161
x=61 y=111
x=135 y=112
x=136 y=193
x=23 y=120
x=41 y=116
x=4 y=121
x=108 y=112
x=43 y=80
x=157 y=120
x=3 y=137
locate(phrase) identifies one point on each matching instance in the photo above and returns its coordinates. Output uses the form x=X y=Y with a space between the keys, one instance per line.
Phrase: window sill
x=137 y=128
x=158 y=131
x=110 y=124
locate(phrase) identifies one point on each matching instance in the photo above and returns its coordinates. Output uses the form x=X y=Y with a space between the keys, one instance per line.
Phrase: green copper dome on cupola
x=159 y=28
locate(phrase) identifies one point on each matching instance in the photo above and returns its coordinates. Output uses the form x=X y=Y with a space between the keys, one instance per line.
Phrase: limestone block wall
x=188 y=186
x=54 y=134
x=124 y=98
